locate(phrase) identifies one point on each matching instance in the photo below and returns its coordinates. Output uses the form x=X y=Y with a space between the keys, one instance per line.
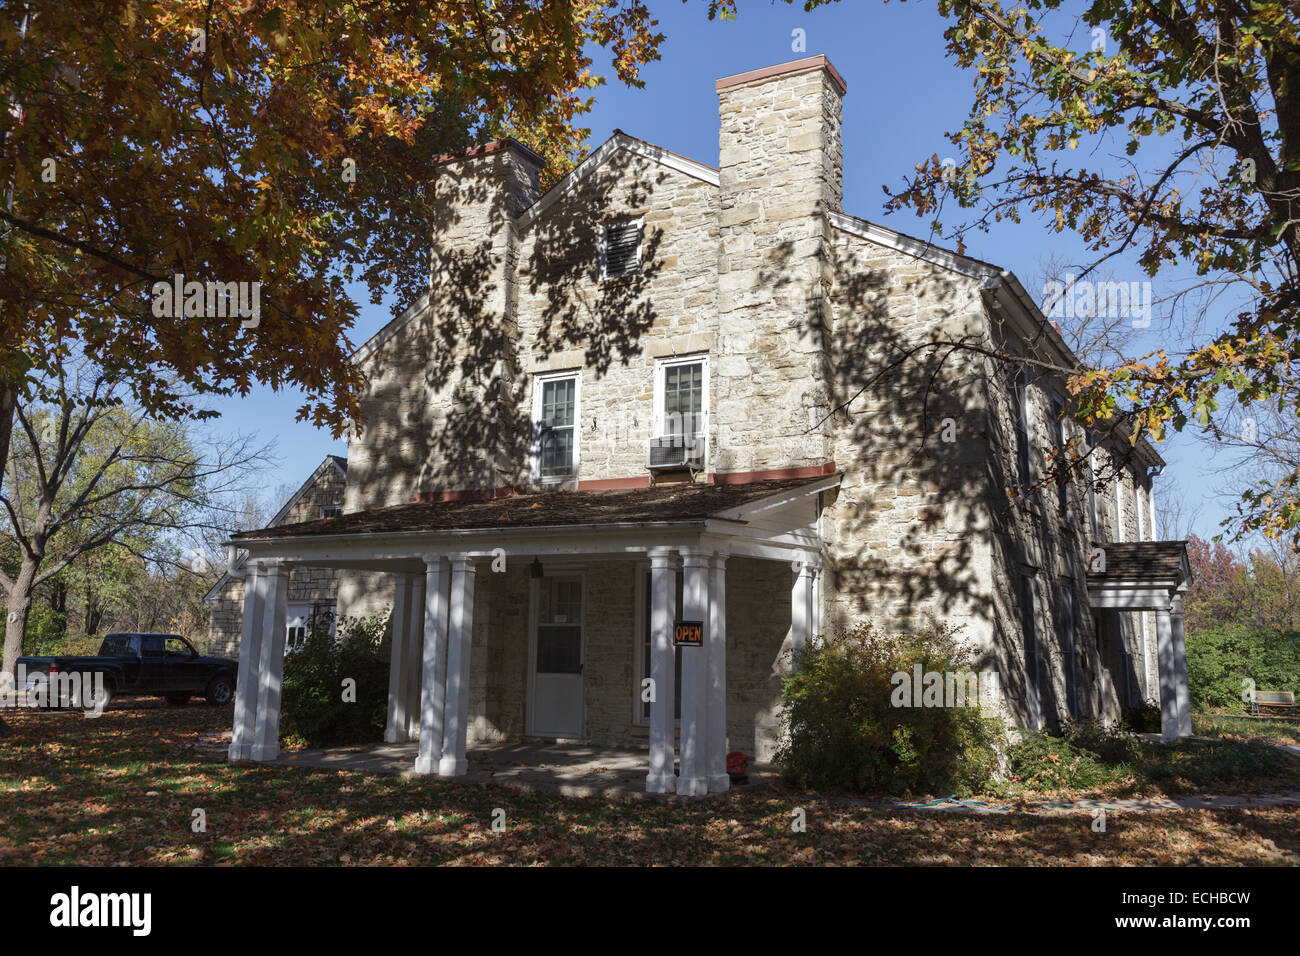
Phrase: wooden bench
x=1272 y=699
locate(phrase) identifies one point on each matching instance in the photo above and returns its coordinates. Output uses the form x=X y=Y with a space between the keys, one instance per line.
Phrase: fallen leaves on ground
x=122 y=789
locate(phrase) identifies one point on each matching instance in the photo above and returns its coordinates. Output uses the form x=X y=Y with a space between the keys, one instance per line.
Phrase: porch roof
x=1144 y=561
x=654 y=504
x=1139 y=575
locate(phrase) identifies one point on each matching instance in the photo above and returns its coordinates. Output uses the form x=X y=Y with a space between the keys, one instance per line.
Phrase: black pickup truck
x=156 y=665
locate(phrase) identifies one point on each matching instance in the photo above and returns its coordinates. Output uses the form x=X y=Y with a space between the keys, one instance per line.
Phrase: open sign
x=688 y=633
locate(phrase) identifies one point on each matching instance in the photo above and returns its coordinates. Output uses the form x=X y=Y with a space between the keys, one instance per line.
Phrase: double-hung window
x=681 y=422
x=555 y=427
x=1063 y=469
x=1020 y=412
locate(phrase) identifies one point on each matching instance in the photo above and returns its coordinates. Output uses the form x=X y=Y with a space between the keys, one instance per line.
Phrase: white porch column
x=693 y=780
x=414 y=656
x=399 y=660
x=1183 y=691
x=715 y=645
x=433 y=682
x=801 y=606
x=250 y=656
x=1169 y=722
x=662 y=777
x=459 y=631
x=266 y=739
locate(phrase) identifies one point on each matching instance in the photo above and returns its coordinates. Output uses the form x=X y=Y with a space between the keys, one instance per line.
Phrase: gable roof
x=1004 y=290
x=619 y=141
x=337 y=462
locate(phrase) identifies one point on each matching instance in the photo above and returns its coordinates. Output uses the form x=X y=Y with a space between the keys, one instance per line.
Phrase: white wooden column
x=715 y=645
x=433 y=682
x=662 y=777
x=266 y=739
x=1169 y=723
x=459 y=632
x=250 y=656
x=1182 y=691
x=414 y=656
x=398 y=660
x=801 y=606
x=693 y=781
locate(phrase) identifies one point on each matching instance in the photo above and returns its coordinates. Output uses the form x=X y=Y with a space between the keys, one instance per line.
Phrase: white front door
x=558 y=657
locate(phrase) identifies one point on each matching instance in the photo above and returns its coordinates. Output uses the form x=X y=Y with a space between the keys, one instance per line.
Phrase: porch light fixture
x=535 y=569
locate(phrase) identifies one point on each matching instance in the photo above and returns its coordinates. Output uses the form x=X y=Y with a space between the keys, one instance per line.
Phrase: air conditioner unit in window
x=675 y=451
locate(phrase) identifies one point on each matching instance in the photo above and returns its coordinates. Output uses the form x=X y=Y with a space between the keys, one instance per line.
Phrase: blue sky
x=903 y=95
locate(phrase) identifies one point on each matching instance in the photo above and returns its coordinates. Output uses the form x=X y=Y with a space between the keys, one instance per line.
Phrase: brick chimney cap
x=492 y=147
x=794 y=66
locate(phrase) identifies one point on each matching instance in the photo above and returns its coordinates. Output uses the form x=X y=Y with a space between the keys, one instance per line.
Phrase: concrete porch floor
x=571 y=770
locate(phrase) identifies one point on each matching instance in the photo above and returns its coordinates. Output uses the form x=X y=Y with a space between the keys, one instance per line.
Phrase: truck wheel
x=96 y=698
x=178 y=700
x=221 y=691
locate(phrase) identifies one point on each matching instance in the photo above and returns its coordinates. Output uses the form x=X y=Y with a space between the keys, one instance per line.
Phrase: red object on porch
x=736 y=761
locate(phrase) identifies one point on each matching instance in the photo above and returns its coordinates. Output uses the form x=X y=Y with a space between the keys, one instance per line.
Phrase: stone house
x=310 y=590
x=664 y=393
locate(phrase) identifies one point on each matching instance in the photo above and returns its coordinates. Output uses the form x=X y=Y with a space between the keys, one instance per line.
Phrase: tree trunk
x=19 y=606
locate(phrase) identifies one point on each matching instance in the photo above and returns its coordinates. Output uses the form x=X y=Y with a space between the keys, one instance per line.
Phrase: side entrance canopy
x=432 y=549
x=1151 y=576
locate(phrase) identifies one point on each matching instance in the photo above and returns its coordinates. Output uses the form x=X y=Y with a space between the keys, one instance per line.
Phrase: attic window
x=333 y=511
x=620 y=249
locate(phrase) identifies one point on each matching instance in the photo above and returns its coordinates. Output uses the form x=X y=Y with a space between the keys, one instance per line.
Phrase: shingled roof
x=674 y=503
x=1143 y=560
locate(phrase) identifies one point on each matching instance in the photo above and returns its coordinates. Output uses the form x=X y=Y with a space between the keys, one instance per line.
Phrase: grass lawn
x=1278 y=730
x=122 y=789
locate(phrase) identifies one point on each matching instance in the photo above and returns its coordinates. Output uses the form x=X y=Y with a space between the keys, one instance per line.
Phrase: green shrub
x=46 y=632
x=313 y=711
x=1220 y=658
x=843 y=732
x=1091 y=756
x=1043 y=763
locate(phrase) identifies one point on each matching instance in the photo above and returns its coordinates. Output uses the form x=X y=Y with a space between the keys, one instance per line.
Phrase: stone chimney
x=473 y=311
x=780 y=173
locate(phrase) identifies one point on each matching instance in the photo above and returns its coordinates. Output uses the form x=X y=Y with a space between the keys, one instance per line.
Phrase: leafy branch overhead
x=233 y=141
x=1167 y=133
x=1206 y=95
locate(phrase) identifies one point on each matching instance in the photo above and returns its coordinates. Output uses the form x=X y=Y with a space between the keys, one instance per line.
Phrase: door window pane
x=559 y=649
x=559 y=626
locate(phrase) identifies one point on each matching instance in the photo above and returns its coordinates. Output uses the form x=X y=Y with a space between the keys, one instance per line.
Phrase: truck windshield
x=120 y=645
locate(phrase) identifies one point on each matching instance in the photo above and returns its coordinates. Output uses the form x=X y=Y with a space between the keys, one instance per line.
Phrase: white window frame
x=661 y=367
x=539 y=383
x=1119 y=504
x=602 y=231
